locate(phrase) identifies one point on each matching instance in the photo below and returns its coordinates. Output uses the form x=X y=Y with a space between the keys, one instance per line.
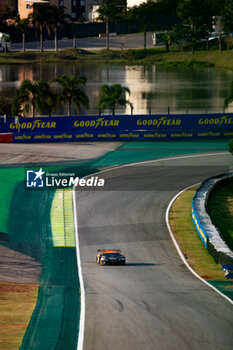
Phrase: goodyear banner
x=121 y=127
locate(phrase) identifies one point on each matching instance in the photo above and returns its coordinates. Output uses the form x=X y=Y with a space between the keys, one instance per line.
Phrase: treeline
x=184 y=21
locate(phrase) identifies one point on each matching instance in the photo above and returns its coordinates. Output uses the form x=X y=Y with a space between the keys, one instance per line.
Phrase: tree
x=196 y=15
x=5 y=106
x=229 y=99
x=227 y=16
x=70 y=91
x=227 y=21
x=108 y=14
x=17 y=105
x=36 y=94
x=167 y=8
x=39 y=18
x=167 y=38
x=180 y=34
x=145 y=14
x=22 y=25
x=111 y=96
x=74 y=30
x=56 y=17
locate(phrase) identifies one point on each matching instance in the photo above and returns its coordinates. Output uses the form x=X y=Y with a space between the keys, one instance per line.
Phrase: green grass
x=158 y=56
x=191 y=245
x=220 y=209
x=9 y=179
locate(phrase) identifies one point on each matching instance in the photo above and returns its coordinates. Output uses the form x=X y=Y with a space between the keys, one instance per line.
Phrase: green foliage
x=146 y=15
x=5 y=106
x=180 y=34
x=108 y=13
x=40 y=18
x=196 y=16
x=23 y=26
x=17 y=105
x=167 y=38
x=167 y=8
x=36 y=94
x=227 y=16
x=70 y=91
x=56 y=17
x=220 y=209
x=111 y=96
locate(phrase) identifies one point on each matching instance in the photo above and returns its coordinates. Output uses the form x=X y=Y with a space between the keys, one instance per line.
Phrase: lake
x=154 y=89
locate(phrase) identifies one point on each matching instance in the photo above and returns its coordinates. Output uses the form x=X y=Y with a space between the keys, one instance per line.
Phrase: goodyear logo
x=36 y=124
x=223 y=120
x=96 y=123
x=162 y=121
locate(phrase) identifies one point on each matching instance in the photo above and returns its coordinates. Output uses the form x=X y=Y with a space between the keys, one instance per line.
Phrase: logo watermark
x=37 y=179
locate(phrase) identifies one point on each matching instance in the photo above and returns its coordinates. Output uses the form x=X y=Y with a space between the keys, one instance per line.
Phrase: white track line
x=179 y=250
x=82 y=312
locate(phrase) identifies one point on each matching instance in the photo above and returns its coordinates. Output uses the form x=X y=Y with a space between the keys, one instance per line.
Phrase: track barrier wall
x=119 y=127
x=208 y=233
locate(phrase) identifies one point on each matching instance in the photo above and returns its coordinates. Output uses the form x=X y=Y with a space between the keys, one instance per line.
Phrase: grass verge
x=17 y=302
x=158 y=56
x=191 y=245
x=220 y=209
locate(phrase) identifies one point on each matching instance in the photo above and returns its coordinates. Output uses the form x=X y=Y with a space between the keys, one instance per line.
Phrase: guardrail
x=208 y=233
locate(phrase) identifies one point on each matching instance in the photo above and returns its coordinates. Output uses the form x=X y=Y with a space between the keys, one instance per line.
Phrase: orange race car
x=110 y=257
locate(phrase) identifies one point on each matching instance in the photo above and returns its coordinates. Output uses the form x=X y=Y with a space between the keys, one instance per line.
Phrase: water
x=154 y=89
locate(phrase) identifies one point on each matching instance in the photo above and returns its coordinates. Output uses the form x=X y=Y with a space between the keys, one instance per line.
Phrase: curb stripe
x=62 y=221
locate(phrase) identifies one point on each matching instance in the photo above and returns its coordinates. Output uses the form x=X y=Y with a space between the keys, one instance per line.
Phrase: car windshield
x=112 y=255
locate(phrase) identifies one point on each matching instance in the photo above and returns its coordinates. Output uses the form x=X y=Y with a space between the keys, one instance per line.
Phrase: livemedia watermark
x=40 y=179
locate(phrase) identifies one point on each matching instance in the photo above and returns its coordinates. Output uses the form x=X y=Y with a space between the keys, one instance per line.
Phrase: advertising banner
x=120 y=127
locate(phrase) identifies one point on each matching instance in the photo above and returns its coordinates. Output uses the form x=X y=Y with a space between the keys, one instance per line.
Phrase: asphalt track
x=154 y=302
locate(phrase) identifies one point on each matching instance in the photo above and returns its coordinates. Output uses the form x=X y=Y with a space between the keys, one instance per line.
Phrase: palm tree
x=107 y=14
x=57 y=17
x=74 y=30
x=110 y=96
x=40 y=20
x=70 y=91
x=36 y=94
x=23 y=26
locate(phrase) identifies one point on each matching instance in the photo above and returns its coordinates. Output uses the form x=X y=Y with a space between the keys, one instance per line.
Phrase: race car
x=110 y=257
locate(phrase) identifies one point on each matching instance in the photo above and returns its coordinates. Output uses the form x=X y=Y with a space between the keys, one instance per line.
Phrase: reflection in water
x=153 y=89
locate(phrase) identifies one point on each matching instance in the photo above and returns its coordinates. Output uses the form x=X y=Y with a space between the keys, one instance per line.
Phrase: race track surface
x=154 y=302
